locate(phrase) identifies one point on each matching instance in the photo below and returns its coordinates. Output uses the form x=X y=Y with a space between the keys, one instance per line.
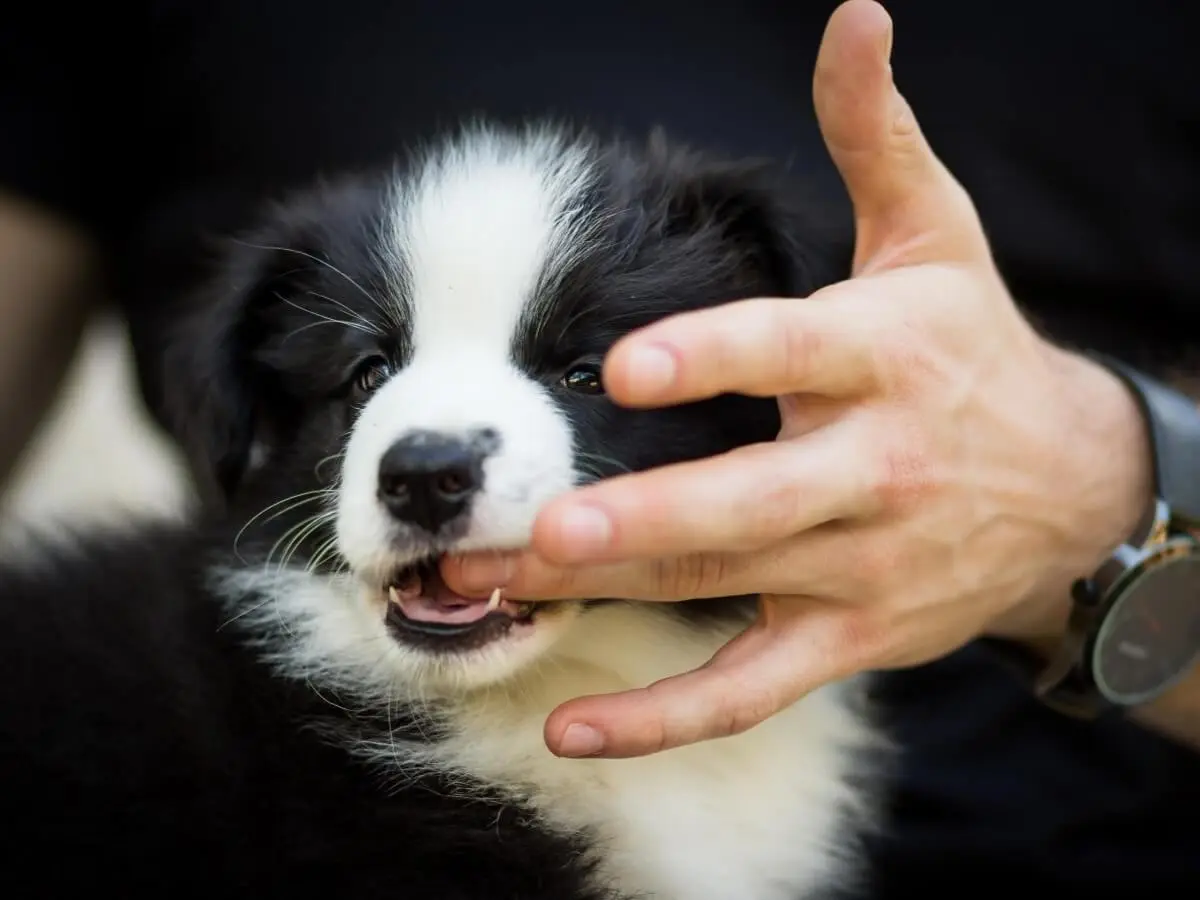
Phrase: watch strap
x=1063 y=683
x=1073 y=696
x=1173 y=426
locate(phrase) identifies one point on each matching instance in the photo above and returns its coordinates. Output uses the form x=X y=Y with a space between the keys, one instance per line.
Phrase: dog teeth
x=394 y=595
x=493 y=603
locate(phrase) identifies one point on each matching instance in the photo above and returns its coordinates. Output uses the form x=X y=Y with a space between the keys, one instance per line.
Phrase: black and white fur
x=224 y=707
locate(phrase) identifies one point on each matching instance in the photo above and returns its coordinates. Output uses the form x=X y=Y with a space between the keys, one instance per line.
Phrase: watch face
x=1150 y=637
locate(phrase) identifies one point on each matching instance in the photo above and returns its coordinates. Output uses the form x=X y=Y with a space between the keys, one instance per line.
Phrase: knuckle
x=864 y=636
x=905 y=130
x=654 y=730
x=800 y=347
x=903 y=474
x=665 y=577
x=752 y=709
x=901 y=356
x=547 y=582
x=768 y=514
x=747 y=705
x=657 y=736
x=685 y=577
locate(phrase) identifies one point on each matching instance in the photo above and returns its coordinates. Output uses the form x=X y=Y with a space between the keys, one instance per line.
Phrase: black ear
x=220 y=401
x=794 y=236
x=220 y=396
x=210 y=384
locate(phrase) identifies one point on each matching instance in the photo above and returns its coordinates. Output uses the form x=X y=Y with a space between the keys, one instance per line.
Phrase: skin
x=942 y=471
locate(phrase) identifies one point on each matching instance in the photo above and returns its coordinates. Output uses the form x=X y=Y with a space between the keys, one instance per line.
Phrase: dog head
x=401 y=366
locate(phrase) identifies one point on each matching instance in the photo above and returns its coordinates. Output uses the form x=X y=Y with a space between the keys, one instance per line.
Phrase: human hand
x=941 y=471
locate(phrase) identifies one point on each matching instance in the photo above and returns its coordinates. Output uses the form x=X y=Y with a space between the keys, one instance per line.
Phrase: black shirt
x=1076 y=127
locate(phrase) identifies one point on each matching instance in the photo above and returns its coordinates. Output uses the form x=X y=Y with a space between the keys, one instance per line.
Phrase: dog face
x=398 y=367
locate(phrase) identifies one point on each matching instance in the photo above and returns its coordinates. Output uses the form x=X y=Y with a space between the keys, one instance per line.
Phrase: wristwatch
x=1134 y=628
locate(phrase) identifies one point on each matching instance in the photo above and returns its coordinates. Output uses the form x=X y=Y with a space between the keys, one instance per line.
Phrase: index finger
x=764 y=347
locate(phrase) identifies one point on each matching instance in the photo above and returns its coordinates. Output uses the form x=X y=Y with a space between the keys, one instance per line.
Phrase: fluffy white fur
x=761 y=816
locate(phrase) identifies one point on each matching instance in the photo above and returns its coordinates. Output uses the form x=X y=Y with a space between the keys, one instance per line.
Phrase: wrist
x=1103 y=482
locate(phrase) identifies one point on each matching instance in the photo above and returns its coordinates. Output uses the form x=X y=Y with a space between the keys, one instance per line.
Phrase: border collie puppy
x=285 y=698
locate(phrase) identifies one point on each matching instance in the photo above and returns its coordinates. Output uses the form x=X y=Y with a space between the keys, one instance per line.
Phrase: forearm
x=1111 y=490
x=1176 y=713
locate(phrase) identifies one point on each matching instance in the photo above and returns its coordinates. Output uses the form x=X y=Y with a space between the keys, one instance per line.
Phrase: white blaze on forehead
x=477 y=240
x=487 y=220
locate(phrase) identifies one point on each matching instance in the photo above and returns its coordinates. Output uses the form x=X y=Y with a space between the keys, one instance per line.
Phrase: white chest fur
x=767 y=815
x=759 y=816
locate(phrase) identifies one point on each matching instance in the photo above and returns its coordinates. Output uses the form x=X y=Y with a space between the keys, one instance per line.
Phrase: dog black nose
x=428 y=479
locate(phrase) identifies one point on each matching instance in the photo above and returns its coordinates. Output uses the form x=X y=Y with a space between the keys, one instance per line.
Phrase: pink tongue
x=443 y=606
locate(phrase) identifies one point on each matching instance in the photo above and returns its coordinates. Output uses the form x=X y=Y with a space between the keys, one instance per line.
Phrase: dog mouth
x=423 y=609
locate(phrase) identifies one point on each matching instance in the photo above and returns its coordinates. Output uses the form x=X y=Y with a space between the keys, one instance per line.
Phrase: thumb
x=908 y=208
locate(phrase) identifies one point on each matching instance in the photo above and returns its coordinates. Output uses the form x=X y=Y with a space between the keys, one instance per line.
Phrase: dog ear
x=795 y=238
x=207 y=385
x=218 y=391
x=219 y=401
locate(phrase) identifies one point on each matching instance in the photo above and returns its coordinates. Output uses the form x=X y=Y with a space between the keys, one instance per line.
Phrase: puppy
x=284 y=696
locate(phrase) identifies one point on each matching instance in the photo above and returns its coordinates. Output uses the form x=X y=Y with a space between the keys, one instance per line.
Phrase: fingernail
x=581 y=740
x=483 y=573
x=585 y=530
x=651 y=367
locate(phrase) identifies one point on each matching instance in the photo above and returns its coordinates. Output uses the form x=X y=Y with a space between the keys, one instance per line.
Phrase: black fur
x=146 y=749
x=145 y=746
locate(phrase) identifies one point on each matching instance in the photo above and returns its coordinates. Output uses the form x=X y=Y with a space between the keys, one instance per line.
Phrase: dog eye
x=583 y=380
x=372 y=374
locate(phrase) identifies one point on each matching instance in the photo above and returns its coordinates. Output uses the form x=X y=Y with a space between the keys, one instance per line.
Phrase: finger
x=760 y=347
x=762 y=671
x=527 y=576
x=743 y=500
x=828 y=561
x=900 y=190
